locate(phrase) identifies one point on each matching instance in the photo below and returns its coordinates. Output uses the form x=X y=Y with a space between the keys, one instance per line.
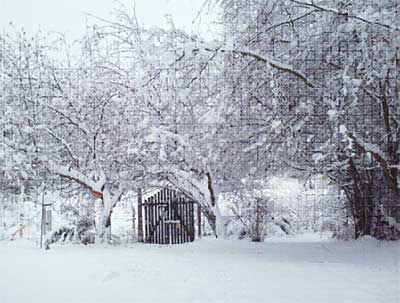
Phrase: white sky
x=69 y=16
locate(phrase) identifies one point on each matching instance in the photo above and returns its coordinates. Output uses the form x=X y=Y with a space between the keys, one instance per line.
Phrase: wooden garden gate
x=168 y=218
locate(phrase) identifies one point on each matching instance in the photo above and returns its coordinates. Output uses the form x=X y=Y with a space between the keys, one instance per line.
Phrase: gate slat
x=146 y=222
x=174 y=229
x=183 y=219
x=179 y=204
x=157 y=218
x=170 y=217
x=167 y=226
x=184 y=222
x=172 y=225
x=153 y=215
x=153 y=223
x=192 y=220
x=189 y=221
x=149 y=206
x=183 y=200
x=162 y=219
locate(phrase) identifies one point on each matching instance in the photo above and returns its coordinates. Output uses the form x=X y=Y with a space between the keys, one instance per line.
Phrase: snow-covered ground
x=307 y=269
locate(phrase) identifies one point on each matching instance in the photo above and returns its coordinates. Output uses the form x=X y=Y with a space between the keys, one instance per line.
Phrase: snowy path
x=203 y=271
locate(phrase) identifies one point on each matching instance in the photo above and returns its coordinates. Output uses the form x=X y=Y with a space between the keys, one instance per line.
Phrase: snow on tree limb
x=73 y=174
x=322 y=8
x=262 y=58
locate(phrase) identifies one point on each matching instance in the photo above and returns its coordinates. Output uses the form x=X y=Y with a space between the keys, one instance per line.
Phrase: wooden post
x=199 y=220
x=140 y=216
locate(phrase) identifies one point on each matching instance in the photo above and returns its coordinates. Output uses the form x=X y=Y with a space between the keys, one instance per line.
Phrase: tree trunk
x=201 y=189
x=103 y=232
x=218 y=220
x=361 y=200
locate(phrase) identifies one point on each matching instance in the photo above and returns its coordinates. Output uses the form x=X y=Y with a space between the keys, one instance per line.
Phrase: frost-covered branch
x=322 y=8
x=261 y=58
x=73 y=174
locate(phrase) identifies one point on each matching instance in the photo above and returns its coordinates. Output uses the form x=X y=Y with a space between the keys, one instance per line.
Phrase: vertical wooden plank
x=174 y=227
x=192 y=219
x=178 y=209
x=149 y=206
x=152 y=219
x=189 y=221
x=177 y=228
x=185 y=221
x=198 y=220
x=166 y=241
x=164 y=228
x=140 y=215
x=146 y=226
x=182 y=215
x=158 y=218
x=167 y=216
x=182 y=202
x=162 y=197
x=170 y=216
x=155 y=219
x=148 y=220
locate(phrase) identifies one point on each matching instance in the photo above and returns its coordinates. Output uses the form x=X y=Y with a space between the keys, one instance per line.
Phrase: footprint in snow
x=110 y=276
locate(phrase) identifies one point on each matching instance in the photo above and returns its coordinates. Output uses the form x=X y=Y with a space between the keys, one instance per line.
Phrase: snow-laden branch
x=199 y=186
x=261 y=58
x=322 y=8
x=66 y=116
x=73 y=174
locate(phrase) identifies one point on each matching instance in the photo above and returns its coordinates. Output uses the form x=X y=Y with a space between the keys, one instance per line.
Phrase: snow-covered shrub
x=248 y=218
x=82 y=232
x=254 y=213
x=78 y=223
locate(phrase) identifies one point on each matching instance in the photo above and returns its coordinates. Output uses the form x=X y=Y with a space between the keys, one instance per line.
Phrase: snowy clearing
x=307 y=269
